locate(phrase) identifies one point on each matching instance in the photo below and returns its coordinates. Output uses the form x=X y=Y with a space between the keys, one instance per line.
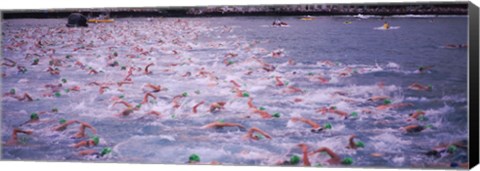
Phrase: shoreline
x=278 y=10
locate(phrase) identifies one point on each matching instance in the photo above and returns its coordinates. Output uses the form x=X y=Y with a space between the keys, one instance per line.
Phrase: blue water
x=388 y=56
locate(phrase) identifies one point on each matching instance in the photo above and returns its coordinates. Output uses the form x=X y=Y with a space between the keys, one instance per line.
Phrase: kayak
x=307 y=18
x=101 y=20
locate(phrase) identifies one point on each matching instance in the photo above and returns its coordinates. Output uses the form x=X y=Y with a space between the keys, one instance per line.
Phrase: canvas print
x=327 y=85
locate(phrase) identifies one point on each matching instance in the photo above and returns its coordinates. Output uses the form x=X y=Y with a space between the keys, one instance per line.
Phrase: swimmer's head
x=262 y=108
x=387 y=102
x=430 y=87
x=12 y=91
x=57 y=94
x=34 y=116
x=333 y=107
x=62 y=121
x=221 y=121
x=354 y=114
x=452 y=148
x=96 y=140
x=246 y=94
x=359 y=144
x=194 y=158
x=55 y=110
x=184 y=94
x=105 y=151
x=294 y=160
x=138 y=106
x=347 y=161
x=64 y=80
x=276 y=115
x=328 y=126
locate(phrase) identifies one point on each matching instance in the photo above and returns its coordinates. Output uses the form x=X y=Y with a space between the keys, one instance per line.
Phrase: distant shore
x=453 y=8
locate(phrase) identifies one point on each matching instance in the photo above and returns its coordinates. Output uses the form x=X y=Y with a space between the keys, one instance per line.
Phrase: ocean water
x=179 y=45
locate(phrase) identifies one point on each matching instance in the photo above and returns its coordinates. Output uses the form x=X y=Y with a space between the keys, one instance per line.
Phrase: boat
x=307 y=18
x=100 y=20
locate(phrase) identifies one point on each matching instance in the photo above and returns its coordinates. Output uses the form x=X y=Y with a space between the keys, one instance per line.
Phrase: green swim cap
x=34 y=116
x=121 y=96
x=276 y=115
x=221 y=121
x=328 y=126
x=360 y=144
x=246 y=95
x=259 y=136
x=184 y=94
x=294 y=159
x=334 y=107
x=62 y=121
x=57 y=94
x=262 y=108
x=347 y=161
x=12 y=91
x=429 y=126
x=105 y=151
x=194 y=158
x=67 y=90
x=68 y=56
x=354 y=114
x=230 y=62
x=310 y=73
x=286 y=83
x=36 y=60
x=115 y=54
x=452 y=148
x=96 y=140
x=387 y=101
x=64 y=80
x=123 y=68
x=138 y=106
x=422 y=118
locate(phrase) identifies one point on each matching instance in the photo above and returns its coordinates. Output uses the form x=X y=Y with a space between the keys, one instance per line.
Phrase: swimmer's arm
x=254 y=129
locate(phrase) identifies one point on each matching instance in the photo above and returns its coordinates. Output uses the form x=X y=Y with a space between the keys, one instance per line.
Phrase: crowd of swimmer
x=37 y=52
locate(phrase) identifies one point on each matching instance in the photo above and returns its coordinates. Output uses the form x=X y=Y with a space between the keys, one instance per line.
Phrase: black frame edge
x=473 y=17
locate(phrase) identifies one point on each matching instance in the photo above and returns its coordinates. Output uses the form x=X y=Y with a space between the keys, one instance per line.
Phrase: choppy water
x=388 y=56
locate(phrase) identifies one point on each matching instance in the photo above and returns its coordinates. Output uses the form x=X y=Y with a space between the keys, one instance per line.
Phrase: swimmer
x=52 y=71
x=262 y=113
x=9 y=62
x=413 y=128
x=64 y=124
x=333 y=110
x=292 y=89
x=250 y=104
x=388 y=106
x=146 y=69
x=175 y=101
x=221 y=124
x=315 y=127
x=278 y=82
x=334 y=158
x=235 y=83
x=14 y=139
x=96 y=153
x=447 y=148
x=83 y=127
x=197 y=105
x=153 y=112
x=424 y=69
x=291 y=62
x=419 y=87
x=88 y=143
x=217 y=106
x=145 y=98
x=155 y=88
x=304 y=148
x=25 y=96
x=251 y=134
x=130 y=109
x=354 y=145
x=416 y=115
x=378 y=98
